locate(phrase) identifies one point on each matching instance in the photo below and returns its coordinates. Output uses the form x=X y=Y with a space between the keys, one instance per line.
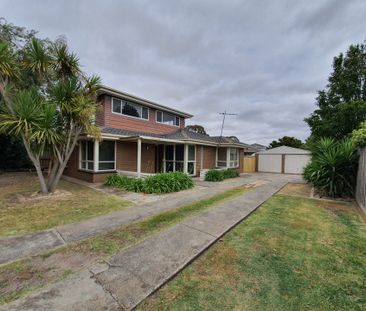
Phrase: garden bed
x=159 y=183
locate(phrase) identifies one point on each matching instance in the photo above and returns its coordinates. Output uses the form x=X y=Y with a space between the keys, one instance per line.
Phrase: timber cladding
x=106 y=118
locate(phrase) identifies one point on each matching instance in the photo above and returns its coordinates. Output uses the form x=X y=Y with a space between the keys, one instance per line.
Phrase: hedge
x=159 y=183
x=220 y=175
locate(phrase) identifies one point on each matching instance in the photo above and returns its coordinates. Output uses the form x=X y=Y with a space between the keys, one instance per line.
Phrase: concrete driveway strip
x=22 y=246
x=135 y=273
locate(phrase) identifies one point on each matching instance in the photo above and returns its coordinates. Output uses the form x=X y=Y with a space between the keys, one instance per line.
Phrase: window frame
x=221 y=161
x=176 y=117
x=174 y=160
x=86 y=169
x=84 y=143
x=130 y=102
x=233 y=161
x=114 y=161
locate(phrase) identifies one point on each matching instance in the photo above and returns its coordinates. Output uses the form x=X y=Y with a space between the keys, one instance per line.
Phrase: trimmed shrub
x=167 y=182
x=333 y=168
x=230 y=174
x=160 y=183
x=214 y=175
x=220 y=175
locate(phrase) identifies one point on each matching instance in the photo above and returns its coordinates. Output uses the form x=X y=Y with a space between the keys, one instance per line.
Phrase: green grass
x=20 y=218
x=292 y=254
x=30 y=274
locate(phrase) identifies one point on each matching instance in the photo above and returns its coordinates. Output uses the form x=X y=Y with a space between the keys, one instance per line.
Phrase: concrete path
x=132 y=275
x=13 y=248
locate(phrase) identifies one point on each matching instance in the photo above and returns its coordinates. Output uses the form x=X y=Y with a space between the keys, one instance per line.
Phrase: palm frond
x=37 y=58
x=8 y=62
x=67 y=63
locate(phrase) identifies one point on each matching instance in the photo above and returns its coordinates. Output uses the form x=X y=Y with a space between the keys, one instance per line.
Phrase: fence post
x=361 y=180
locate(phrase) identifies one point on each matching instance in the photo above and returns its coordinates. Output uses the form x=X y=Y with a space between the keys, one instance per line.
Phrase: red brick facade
x=106 y=118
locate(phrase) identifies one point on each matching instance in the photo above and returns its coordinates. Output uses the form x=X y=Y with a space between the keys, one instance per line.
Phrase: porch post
x=96 y=156
x=139 y=157
x=164 y=161
x=185 y=159
x=227 y=157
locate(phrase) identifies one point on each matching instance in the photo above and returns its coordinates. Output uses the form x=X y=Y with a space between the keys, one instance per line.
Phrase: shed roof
x=285 y=150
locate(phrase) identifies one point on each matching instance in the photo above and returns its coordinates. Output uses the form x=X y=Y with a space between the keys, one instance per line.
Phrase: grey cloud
x=264 y=60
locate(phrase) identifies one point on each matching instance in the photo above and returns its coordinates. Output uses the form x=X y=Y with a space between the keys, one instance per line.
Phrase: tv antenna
x=223 y=120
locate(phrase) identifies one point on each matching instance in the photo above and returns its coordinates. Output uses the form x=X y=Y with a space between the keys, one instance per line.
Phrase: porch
x=140 y=157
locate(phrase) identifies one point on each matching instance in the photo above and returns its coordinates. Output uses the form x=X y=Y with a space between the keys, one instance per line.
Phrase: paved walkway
x=13 y=248
x=131 y=275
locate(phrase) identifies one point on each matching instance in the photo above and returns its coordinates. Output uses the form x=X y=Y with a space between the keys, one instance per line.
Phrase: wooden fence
x=361 y=180
x=249 y=164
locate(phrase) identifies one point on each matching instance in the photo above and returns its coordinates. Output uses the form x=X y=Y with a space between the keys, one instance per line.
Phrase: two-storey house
x=140 y=137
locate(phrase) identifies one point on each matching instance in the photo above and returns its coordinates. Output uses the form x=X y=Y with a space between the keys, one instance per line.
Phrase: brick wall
x=105 y=118
x=209 y=157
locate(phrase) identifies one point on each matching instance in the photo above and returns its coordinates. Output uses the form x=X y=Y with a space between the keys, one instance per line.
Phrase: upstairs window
x=167 y=118
x=129 y=109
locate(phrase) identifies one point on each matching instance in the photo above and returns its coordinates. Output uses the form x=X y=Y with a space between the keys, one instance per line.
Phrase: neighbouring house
x=253 y=149
x=140 y=137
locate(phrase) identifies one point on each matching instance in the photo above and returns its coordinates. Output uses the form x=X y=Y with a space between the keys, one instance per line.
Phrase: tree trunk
x=61 y=165
x=37 y=165
x=52 y=186
x=52 y=173
x=41 y=178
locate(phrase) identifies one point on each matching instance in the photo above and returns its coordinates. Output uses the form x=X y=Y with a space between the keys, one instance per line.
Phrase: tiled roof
x=181 y=134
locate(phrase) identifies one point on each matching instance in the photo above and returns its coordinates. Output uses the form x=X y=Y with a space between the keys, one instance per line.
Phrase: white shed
x=283 y=159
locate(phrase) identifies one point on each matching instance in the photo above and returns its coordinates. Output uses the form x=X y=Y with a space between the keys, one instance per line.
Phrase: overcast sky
x=264 y=60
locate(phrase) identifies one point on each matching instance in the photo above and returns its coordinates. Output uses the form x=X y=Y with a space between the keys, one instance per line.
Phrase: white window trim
x=192 y=161
x=181 y=161
x=228 y=162
x=175 y=116
x=96 y=165
x=126 y=115
x=86 y=156
x=235 y=161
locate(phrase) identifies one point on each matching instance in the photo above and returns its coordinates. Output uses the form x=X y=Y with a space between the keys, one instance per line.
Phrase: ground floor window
x=191 y=167
x=106 y=155
x=221 y=157
x=227 y=157
x=234 y=157
x=174 y=159
x=87 y=155
x=107 y=159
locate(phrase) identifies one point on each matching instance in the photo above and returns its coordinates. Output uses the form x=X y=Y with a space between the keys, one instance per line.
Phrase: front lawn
x=30 y=216
x=293 y=253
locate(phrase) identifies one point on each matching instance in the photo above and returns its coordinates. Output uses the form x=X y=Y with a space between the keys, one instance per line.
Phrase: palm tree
x=48 y=102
